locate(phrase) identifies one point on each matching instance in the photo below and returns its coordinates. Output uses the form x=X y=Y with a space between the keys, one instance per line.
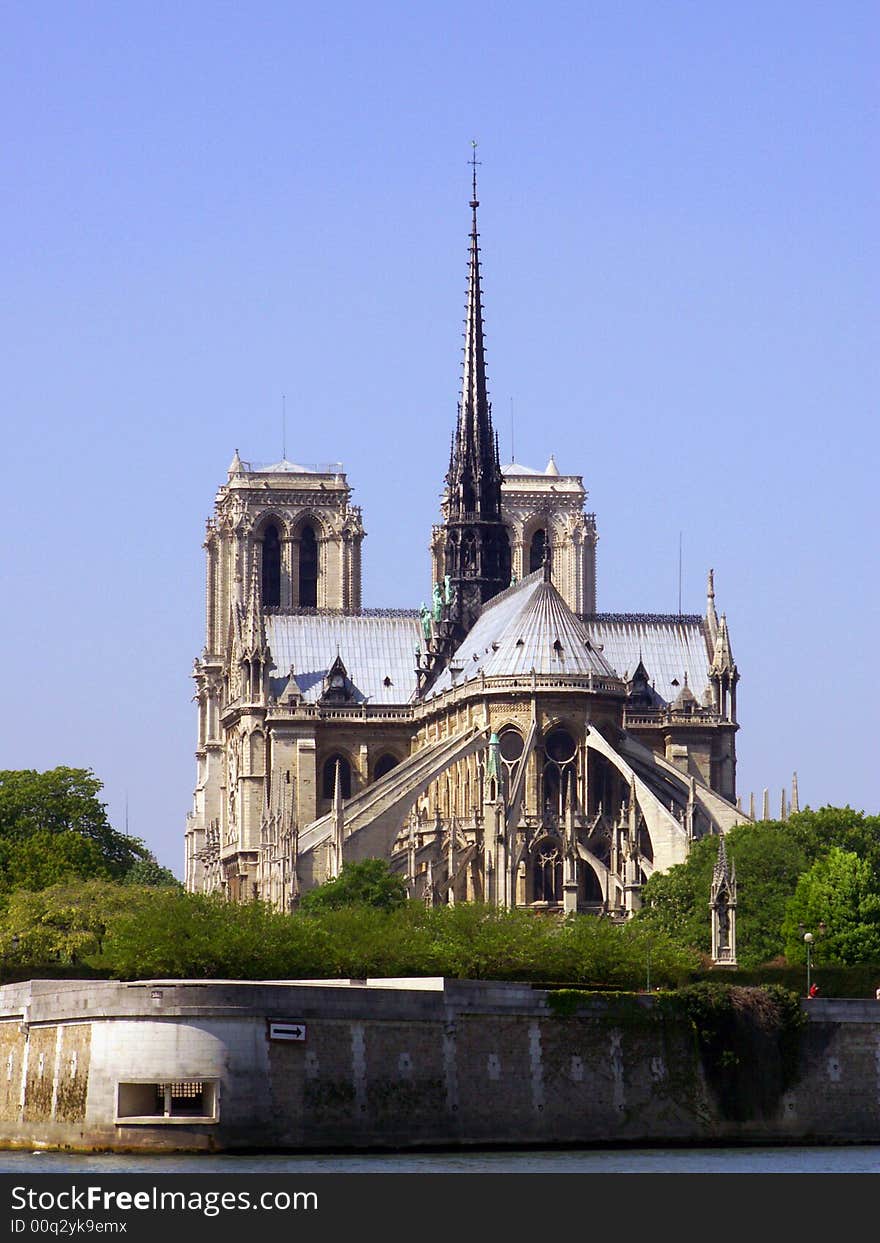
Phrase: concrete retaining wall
x=393 y=1064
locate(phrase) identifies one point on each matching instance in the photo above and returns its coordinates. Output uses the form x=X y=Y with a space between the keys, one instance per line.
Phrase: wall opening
x=271 y=566
x=384 y=765
x=328 y=777
x=537 y=548
x=168 y=1101
x=308 y=568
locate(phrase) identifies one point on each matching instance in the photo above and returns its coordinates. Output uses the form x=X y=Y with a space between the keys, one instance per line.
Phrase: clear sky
x=207 y=206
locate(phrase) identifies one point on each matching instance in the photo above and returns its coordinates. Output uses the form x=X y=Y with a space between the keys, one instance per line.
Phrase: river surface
x=844 y=1159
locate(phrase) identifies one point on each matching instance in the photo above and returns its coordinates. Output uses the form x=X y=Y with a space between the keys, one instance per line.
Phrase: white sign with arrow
x=286 y=1030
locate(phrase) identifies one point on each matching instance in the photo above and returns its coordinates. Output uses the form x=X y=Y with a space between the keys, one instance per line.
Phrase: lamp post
x=809 y=940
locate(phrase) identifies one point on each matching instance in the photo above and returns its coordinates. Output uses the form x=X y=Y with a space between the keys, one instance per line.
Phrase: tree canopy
x=840 y=892
x=369 y=882
x=54 y=827
x=771 y=858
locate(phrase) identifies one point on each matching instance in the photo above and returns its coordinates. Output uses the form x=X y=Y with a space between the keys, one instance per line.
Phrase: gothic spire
x=254 y=622
x=711 y=615
x=474 y=477
x=476 y=553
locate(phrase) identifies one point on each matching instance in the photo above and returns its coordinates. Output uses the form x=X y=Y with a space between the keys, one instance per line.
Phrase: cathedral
x=502 y=742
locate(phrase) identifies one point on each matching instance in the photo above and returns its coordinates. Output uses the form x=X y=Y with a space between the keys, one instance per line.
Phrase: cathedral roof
x=510 y=470
x=378 y=653
x=669 y=646
x=526 y=628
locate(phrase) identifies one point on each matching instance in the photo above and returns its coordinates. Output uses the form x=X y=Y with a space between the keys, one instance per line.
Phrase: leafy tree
x=768 y=861
x=769 y=856
x=841 y=890
x=53 y=825
x=148 y=871
x=44 y=858
x=202 y=936
x=838 y=826
x=367 y=883
x=64 y=924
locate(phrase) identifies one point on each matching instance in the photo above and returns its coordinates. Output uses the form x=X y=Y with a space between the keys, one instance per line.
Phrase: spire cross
x=474 y=162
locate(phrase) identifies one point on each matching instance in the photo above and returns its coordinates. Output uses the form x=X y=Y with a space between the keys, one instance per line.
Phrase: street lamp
x=808 y=942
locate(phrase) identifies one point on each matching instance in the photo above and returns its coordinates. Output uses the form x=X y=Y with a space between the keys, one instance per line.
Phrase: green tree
x=64 y=924
x=367 y=883
x=841 y=891
x=768 y=858
x=149 y=871
x=53 y=825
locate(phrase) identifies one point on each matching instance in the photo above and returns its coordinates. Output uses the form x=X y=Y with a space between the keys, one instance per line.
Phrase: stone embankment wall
x=165 y=1065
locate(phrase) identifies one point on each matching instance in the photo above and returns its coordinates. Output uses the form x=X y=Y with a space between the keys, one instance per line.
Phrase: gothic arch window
x=328 y=777
x=537 y=549
x=547 y=872
x=560 y=773
x=510 y=745
x=271 y=566
x=308 y=568
x=384 y=765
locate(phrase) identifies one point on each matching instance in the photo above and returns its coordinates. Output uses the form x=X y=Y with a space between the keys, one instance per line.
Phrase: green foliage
x=368 y=883
x=45 y=858
x=841 y=890
x=748 y=1041
x=53 y=827
x=167 y=932
x=131 y=932
x=150 y=872
x=62 y=925
x=770 y=857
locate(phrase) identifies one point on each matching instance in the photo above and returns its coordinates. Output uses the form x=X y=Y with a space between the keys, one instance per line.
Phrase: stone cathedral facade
x=504 y=741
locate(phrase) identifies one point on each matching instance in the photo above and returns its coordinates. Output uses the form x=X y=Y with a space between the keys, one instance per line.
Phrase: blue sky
x=207 y=206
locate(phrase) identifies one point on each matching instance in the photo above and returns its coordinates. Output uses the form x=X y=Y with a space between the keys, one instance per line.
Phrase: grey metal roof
x=669 y=647
x=374 y=648
x=371 y=648
x=527 y=627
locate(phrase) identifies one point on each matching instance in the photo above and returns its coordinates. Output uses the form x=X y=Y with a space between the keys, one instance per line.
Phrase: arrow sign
x=286 y=1030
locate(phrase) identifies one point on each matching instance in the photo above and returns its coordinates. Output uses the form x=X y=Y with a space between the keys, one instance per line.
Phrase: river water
x=843 y=1159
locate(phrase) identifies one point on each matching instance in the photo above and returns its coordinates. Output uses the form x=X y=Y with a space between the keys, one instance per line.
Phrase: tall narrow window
x=537 y=549
x=328 y=777
x=384 y=765
x=271 y=566
x=308 y=569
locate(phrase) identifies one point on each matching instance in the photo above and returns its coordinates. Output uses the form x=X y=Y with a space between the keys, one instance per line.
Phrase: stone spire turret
x=711 y=615
x=723 y=672
x=722 y=903
x=254 y=628
x=476 y=554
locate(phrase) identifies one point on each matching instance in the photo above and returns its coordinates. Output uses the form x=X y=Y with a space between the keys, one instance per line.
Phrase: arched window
x=384 y=765
x=547 y=872
x=271 y=566
x=328 y=777
x=560 y=773
x=510 y=744
x=537 y=548
x=308 y=568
